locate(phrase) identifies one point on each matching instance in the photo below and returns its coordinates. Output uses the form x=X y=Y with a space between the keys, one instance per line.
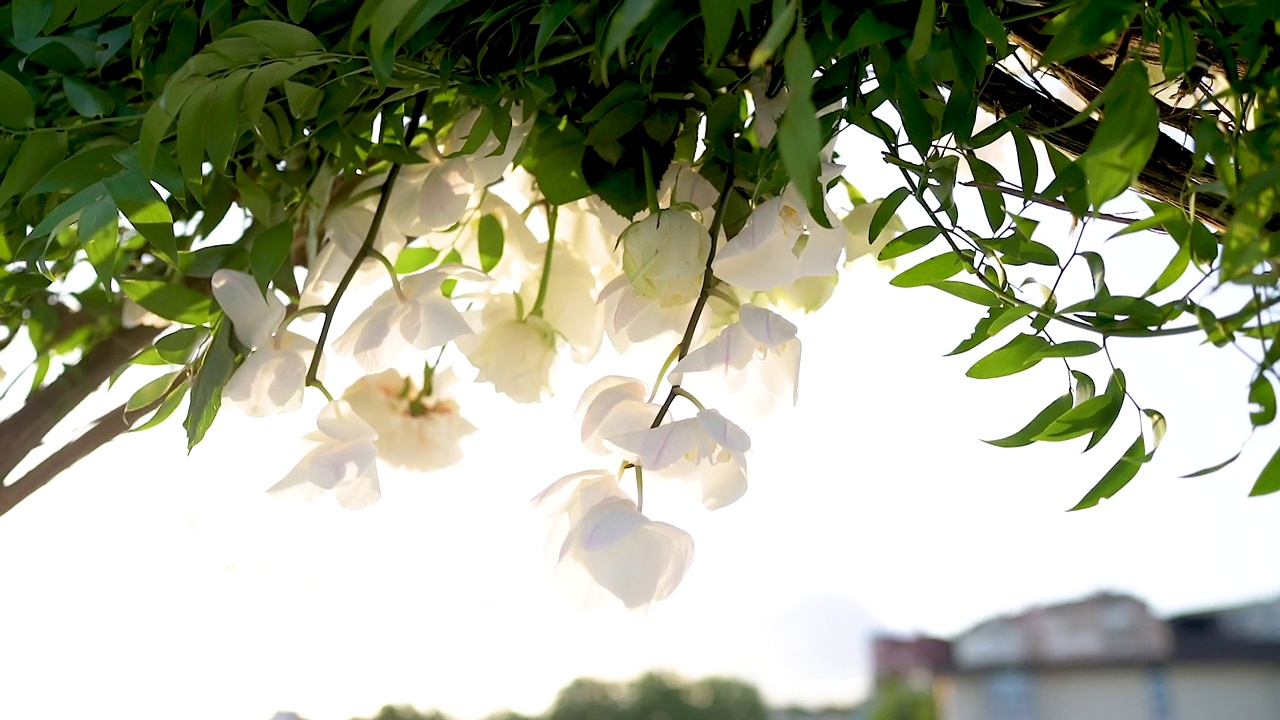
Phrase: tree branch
x=23 y=431
x=106 y=428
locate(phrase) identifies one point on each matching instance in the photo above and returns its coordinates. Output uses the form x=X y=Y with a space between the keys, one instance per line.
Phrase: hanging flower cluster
x=501 y=280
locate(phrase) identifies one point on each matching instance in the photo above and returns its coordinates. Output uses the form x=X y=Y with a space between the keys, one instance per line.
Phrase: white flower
x=609 y=547
x=664 y=256
x=760 y=350
x=768 y=109
x=418 y=433
x=808 y=294
x=272 y=379
x=858 y=225
x=132 y=315
x=516 y=355
x=446 y=192
x=569 y=305
x=708 y=449
x=254 y=316
x=611 y=406
x=781 y=242
x=342 y=458
x=422 y=318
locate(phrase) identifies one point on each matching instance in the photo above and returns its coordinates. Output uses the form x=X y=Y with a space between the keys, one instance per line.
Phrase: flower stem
x=650 y=188
x=366 y=247
x=545 y=280
x=708 y=280
x=391 y=270
x=639 y=488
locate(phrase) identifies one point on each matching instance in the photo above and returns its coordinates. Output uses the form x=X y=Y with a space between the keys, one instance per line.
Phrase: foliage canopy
x=131 y=128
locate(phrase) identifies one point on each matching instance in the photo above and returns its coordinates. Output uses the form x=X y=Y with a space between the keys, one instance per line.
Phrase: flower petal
x=660 y=447
x=254 y=317
x=765 y=326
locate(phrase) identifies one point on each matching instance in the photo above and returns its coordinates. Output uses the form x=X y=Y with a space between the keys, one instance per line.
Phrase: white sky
x=147 y=584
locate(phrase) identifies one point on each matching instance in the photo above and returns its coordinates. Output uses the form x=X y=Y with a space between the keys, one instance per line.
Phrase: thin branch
x=366 y=247
x=23 y=431
x=1047 y=202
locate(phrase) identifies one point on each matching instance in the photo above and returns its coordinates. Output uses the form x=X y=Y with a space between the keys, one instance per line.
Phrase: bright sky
x=154 y=584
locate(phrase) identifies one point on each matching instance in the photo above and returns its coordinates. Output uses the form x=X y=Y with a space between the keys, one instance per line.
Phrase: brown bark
x=23 y=431
x=103 y=431
x=1166 y=175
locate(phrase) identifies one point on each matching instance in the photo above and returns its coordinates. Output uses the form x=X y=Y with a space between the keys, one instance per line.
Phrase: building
x=1109 y=656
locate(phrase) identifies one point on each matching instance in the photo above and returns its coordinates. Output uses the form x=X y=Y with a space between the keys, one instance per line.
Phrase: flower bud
x=665 y=255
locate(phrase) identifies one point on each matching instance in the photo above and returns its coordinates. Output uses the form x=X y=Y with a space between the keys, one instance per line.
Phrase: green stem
x=708 y=281
x=639 y=488
x=650 y=188
x=545 y=280
x=391 y=270
x=365 y=248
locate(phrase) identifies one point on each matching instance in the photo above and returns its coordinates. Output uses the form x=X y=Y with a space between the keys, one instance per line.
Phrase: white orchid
x=613 y=405
x=273 y=377
x=254 y=316
x=341 y=458
x=606 y=547
x=858 y=225
x=515 y=354
x=781 y=242
x=709 y=450
x=664 y=257
x=418 y=317
x=418 y=433
x=759 y=350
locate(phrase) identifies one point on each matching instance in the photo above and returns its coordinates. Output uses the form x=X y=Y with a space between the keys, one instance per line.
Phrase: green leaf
x=997 y=319
x=1262 y=394
x=1072 y=348
x=1125 y=138
x=909 y=241
x=1212 y=468
x=1038 y=424
x=884 y=213
x=617 y=122
x=151 y=392
x=490 y=242
x=784 y=19
x=222 y=120
x=625 y=20
x=922 y=35
x=718 y=17
x=928 y=272
x=1269 y=479
x=283 y=39
x=297 y=10
x=174 y=302
x=413 y=259
x=270 y=249
x=178 y=347
x=1119 y=475
x=29 y=17
x=965 y=291
x=79 y=171
x=86 y=99
x=1177 y=47
x=557 y=164
x=1086 y=26
x=146 y=211
x=799 y=136
x=18 y=109
x=171 y=403
x=99 y=233
x=1115 y=389
x=216 y=366
x=1015 y=356
x=1089 y=416
x=191 y=135
x=39 y=153
x=1028 y=163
